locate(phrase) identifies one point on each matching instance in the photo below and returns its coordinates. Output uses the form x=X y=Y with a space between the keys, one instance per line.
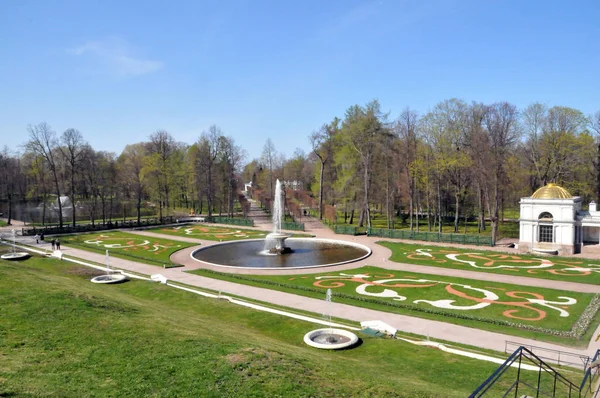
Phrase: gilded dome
x=551 y=191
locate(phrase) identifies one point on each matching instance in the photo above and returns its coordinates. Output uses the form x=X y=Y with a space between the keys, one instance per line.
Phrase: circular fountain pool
x=306 y=253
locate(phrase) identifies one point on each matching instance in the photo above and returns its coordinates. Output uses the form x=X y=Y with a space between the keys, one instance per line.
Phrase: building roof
x=551 y=191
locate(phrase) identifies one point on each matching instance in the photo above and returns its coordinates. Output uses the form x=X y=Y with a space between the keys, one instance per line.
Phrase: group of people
x=54 y=242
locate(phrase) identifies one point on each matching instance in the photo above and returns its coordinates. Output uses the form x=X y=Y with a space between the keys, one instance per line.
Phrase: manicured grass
x=148 y=250
x=3 y=223
x=215 y=233
x=563 y=268
x=512 y=314
x=64 y=336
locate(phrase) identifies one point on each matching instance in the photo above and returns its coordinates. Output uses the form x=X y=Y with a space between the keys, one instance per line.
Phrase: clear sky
x=120 y=70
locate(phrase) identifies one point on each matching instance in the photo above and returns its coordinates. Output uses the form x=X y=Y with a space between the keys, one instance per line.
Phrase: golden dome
x=551 y=191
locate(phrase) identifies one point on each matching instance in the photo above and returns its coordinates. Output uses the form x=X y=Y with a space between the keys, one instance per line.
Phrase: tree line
x=160 y=173
x=457 y=161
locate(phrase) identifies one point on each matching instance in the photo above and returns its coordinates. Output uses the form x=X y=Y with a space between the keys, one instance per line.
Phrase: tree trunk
x=60 y=217
x=598 y=176
x=73 y=215
x=10 y=196
x=139 y=208
x=457 y=210
x=321 y=189
x=439 y=207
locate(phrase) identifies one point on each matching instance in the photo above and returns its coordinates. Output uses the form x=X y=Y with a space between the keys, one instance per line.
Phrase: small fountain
x=330 y=338
x=275 y=241
x=15 y=255
x=111 y=276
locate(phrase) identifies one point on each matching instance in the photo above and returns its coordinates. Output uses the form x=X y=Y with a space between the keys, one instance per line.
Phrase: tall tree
x=322 y=145
x=72 y=149
x=133 y=172
x=406 y=129
x=43 y=142
x=595 y=124
x=269 y=159
x=10 y=175
x=500 y=122
x=161 y=147
x=363 y=128
x=208 y=147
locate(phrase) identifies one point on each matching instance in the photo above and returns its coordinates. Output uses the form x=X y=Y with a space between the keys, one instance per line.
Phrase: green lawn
x=557 y=268
x=433 y=297
x=148 y=250
x=64 y=336
x=215 y=233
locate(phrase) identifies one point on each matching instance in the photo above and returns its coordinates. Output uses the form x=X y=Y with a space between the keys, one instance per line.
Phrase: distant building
x=551 y=221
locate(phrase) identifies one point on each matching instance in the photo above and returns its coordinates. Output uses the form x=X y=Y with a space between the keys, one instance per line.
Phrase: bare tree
x=322 y=145
x=269 y=159
x=209 y=146
x=10 y=178
x=72 y=150
x=133 y=172
x=500 y=121
x=43 y=142
x=162 y=146
x=406 y=129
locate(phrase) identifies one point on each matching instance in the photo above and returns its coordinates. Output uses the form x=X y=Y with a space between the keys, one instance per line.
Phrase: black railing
x=512 y=379
x=550 y=355
x=68 y=229
x=431 y=236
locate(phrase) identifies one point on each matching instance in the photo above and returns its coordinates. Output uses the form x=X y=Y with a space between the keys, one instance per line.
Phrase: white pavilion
x=551 y=221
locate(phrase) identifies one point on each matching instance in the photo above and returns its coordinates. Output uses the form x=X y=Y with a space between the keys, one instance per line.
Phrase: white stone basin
x=109 y=278
x=318 y=338
x=15 y=256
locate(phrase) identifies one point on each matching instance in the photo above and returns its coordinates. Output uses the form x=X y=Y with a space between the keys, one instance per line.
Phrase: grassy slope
x=61 y=335
x=402 y=251
x=553 y=321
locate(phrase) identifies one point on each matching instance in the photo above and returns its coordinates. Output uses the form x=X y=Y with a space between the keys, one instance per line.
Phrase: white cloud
x=114 y=56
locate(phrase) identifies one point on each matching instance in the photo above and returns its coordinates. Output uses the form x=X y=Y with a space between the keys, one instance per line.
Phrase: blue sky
x=120 y=70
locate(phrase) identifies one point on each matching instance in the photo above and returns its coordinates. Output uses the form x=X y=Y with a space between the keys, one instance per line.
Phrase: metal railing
x=555 y=356
x=547 y=382
x=465 y=239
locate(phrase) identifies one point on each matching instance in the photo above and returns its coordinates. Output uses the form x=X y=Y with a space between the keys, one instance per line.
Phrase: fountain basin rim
x=308 y=338
x=367 y=249
x=109 y=278
x=15 y=256
x=275 y=235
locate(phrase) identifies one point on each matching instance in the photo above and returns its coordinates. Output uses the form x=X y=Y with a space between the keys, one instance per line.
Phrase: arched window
x=545 y=229
x=545 y=216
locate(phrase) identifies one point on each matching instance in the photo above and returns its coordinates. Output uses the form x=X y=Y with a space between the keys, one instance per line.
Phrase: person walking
x=53 y=242
x=37 y=239
x=57 y=244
